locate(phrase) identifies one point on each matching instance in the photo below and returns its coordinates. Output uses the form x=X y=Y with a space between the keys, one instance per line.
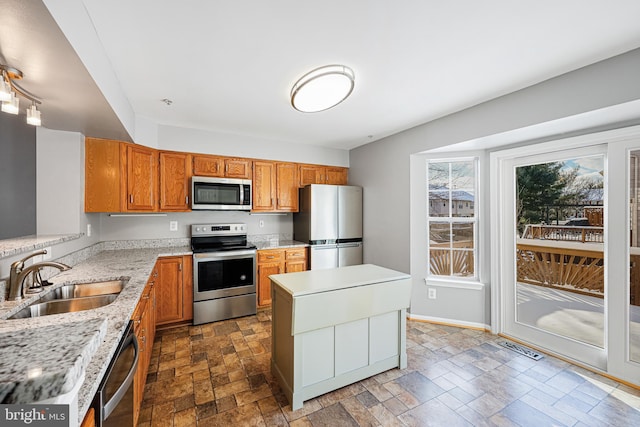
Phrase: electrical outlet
x=261 y=223
x=88 y=230
x=173 y=225
x=431 y=293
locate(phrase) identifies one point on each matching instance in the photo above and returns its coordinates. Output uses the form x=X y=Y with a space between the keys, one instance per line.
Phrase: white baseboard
x=449 y=322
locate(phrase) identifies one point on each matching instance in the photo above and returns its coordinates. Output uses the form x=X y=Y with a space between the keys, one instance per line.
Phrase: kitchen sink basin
x=64 y=306
x=72 y=298
x=85 y=290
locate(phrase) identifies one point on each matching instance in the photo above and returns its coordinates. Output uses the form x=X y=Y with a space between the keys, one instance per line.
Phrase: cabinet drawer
x=270 y=255
x=298 y=253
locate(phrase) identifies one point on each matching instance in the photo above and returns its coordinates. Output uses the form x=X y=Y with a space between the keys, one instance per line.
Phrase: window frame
x=475 y=219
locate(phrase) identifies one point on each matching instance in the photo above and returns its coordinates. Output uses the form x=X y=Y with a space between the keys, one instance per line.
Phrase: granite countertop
x=38 y=365
x=132 y=265
x=279 y=244
x=331 y=279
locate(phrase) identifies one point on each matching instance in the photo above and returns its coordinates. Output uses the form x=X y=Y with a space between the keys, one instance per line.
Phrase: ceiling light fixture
x=9 y=91
x=322 y=88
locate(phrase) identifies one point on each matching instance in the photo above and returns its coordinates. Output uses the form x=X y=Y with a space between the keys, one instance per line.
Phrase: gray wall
x=383 y=167
x=17 y=177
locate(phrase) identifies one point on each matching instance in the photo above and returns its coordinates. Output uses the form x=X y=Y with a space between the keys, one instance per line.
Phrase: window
x=452 y=232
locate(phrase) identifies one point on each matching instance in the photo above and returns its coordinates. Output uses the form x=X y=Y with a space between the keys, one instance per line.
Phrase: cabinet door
x=336 y=175
x=287 y=187
x=174 y=181
x=142 y=165
x=102 y=192
x=264 y=186
x=208 y=165
x=264 y=284
x=296 y=260
x=139 y=327
x=237 y=168
x=310 y=174
x=187 y=286
x=169 y=290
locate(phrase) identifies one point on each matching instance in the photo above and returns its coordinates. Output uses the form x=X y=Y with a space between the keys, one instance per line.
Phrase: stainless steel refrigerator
x=330 y=220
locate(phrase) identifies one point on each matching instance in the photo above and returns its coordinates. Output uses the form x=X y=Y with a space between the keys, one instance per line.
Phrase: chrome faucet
x=19 y=273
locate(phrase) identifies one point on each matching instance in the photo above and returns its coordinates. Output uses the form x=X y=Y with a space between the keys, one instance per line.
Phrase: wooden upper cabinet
x=287 y=187
x=217 y=166
x=142 y=179
x=264 y=186
x=275 y=186
x=318 y=174
x=310 y=174
x=103 y=175
x=208 y=165
x=336 y=175
x=175 y=171
x=237 y=168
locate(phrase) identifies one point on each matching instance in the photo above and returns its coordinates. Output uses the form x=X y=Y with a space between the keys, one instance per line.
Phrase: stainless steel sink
x=64 y=306
x=72 y=298
x=85 y=290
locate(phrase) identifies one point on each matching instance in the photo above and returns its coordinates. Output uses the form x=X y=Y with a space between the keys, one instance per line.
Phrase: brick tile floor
x=218 y=374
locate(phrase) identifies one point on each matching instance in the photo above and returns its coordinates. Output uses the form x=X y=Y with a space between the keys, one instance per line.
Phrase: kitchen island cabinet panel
x=315 y=349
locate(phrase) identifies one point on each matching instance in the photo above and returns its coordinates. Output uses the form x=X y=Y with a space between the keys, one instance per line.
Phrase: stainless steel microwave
x=220 y=194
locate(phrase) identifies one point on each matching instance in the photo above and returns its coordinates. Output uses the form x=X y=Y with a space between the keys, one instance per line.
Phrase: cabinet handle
x=187 y=200
x=180 y=267
x=271 y=257
x=131 y=198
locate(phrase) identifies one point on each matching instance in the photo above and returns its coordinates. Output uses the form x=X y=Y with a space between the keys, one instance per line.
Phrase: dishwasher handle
x=122 y=390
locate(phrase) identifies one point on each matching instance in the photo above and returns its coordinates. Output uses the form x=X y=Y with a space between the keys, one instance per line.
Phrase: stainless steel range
x=224 y=272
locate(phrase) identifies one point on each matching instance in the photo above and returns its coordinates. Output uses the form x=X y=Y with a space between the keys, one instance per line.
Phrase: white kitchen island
x=334 y=327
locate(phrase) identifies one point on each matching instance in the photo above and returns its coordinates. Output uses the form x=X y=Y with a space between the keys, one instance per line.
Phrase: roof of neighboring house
x=456 y=195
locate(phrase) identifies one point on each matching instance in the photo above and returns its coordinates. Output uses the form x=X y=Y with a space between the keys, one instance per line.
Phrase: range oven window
x=224 y=274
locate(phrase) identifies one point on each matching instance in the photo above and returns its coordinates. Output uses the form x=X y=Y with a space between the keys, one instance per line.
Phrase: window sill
x=453 y=283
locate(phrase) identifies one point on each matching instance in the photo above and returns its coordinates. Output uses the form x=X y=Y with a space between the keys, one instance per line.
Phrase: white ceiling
x=229 y=66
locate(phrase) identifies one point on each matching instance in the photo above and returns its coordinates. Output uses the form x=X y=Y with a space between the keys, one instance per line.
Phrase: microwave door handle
x=122 y=390
x=241 y=194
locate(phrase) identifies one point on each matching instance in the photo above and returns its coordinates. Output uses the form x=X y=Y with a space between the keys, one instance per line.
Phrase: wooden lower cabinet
x=144 y=328
x=174 y=290
x=277 y=261
x=89 y=419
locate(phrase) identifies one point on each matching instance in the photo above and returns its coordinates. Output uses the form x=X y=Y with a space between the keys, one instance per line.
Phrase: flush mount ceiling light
x=322 y=88
x=9 y=91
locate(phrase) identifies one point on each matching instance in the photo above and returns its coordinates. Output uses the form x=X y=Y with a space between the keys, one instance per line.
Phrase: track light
x=33 y=115
x=9 y=91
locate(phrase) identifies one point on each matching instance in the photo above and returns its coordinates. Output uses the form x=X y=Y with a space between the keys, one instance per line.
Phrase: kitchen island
x=336 y=326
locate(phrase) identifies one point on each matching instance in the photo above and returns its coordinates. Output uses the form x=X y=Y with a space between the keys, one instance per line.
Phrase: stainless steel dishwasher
x=113 y=401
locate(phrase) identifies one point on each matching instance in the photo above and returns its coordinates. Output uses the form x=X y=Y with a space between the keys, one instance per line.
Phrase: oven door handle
x=223 y=255
x=122 y=390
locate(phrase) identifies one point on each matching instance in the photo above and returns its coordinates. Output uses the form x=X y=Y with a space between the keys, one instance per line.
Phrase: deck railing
x=567 y=233
x=568 y=268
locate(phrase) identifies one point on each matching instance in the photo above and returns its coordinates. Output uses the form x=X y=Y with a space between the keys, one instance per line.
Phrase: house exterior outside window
x=452 y=224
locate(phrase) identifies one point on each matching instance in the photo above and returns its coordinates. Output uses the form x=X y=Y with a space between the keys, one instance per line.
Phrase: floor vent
x=521 y=349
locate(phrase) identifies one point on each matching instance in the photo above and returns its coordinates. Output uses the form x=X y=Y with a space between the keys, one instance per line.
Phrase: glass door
x=556 y=293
